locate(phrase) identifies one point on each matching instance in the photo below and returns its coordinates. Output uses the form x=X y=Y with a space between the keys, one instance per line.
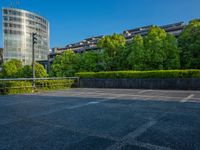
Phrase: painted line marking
x=132 y=135
x=144 y=91
x=67 y=108
x=116 y=95
x=141 y=130
x=104 y=94
x=59 y=109
x=187 y=98
x=148 y=146
x=94 y=102
x=82 y=105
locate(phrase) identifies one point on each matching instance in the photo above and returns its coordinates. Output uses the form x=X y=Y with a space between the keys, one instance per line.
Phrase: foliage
x=113 y=46
x=40 y=71
x=27 y=72
x=54 y=84
x=158 y=50
x=155 y=51
x=15 y=87
x=189 y=43
x=172 y=53
x=21 y=87
x=65 y=65
x=69 y=63
x=142 y=74
x=56 y=68
x=10 y=68
x=91 y=61
x=14 y=69
x=136 y=58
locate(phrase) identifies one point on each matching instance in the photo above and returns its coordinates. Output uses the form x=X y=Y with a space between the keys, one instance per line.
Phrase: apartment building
x=91 y=43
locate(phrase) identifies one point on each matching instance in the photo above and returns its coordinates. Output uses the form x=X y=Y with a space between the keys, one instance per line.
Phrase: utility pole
x=34 y=36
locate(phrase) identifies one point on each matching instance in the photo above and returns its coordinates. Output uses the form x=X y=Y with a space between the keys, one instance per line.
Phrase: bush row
x=22 y=87
x=15 y=87
x=53 y=84
x=142 y=74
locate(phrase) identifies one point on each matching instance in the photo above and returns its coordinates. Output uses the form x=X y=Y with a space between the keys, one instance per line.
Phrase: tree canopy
x=15 y=69
x=157 y=50
x=113 y=47
x=189 y=43
x=136 y=58
x=65 y=64
x=10 y=68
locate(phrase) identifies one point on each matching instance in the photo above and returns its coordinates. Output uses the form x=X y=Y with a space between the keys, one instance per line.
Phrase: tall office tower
x=18 y=26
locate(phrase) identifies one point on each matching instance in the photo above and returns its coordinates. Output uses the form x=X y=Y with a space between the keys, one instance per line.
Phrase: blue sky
x=75 y=20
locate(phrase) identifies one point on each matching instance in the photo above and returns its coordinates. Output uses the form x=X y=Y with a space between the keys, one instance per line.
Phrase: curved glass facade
x=18 y=26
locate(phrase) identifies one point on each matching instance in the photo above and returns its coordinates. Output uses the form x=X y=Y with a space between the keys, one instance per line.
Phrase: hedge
x=142 y=74
x=15 y=87
x=22 y=87
x=53 y=84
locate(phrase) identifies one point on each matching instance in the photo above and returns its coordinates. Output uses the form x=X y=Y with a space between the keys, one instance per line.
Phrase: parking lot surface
x=98 y=119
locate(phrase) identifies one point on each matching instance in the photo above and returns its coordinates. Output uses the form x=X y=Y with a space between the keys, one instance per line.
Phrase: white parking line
x=132 y=96
x=130 y=139
x=94 y=102
x=144 y=91
x=141 y=130
x=86 y=104
x=148 y=146
x=187 y=98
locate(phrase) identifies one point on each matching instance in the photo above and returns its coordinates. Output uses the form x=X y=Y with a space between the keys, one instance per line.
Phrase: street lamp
x=34 y=37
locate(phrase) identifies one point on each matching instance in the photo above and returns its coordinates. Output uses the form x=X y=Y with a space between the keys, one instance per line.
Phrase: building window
x=5 y=11
x=5 y=18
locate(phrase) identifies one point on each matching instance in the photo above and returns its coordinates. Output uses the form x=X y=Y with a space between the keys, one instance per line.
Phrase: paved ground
x=110 y=119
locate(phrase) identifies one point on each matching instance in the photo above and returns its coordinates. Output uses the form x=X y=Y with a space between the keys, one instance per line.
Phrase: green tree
x=154 y=51
x=172 y=53
x=56 y=68
x=89 y=61
x=27 y=72
x=189 y=43
x=113 y=46
x=10 y=68
x=40 y=71
x=137 y=54
x=69 y=63
x=158 y=50
x=124 y=57
x=65 y=65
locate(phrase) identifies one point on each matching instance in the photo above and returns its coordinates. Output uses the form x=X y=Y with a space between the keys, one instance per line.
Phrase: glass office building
x=18 y=26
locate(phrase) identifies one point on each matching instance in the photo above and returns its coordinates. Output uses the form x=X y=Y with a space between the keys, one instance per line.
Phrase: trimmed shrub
x=53 y=84
x=25 y=87
x=15 y=87
x=142 y=74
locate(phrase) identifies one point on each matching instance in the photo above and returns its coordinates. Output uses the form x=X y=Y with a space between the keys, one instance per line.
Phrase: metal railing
x=21 y=85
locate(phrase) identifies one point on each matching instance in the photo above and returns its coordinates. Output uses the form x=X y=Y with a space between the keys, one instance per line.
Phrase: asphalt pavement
x=98 y=119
